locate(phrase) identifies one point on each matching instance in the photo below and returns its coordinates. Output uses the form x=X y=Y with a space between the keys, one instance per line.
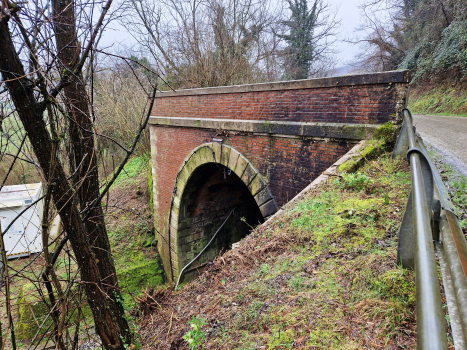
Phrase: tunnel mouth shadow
x=210 y=195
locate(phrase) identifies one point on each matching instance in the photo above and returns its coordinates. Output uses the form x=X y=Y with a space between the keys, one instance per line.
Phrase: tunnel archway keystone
x=230 y=158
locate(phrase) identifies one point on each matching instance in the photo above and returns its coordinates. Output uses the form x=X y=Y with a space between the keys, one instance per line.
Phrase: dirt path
x=448 y=135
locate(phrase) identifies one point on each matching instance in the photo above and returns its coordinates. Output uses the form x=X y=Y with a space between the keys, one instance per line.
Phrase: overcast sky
x=348 y=13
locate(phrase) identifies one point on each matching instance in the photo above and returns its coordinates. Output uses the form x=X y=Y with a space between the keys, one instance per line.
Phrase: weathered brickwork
x=363 y=104
x=188 y=211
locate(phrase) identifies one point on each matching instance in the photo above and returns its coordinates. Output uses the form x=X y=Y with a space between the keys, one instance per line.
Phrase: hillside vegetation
x=131 y=233
x=322 y=274
x=428 y=37
x=444 y=100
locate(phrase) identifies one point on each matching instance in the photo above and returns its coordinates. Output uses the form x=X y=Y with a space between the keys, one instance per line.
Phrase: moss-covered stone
x=348 y=166
x=136 y=278
x=385 y=132
x=32 y=311
x=372 y=149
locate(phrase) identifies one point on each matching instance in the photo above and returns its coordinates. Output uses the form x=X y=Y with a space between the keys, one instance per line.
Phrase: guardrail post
x=405 y=248
x=435 y=214
x=402 y=142
x=431 y=329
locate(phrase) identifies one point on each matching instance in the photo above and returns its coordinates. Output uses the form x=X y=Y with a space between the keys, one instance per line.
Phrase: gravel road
x=448 y=135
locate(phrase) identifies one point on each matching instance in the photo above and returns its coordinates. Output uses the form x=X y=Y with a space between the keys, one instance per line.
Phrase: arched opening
x=209 y=196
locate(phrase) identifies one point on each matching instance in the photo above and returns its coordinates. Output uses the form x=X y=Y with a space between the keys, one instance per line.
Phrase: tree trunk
x=89 y=239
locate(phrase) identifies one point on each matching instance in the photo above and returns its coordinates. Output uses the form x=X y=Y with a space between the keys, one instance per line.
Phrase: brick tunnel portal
x=211 y=193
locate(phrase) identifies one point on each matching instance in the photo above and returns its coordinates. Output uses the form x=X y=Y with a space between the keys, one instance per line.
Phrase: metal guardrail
x=429 y=221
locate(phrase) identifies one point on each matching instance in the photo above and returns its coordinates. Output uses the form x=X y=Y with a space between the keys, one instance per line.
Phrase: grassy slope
x=23 y=172
x=442 y=100
x=322 y=275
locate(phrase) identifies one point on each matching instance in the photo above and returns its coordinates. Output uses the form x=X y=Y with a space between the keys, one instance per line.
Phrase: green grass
x=131 y=171
x=456 y=184
x=449 y=100
x=22 y=172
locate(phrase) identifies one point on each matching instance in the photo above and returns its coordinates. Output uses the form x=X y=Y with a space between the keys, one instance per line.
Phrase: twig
x=170 y=326
x=122 y=164
x=18 y=78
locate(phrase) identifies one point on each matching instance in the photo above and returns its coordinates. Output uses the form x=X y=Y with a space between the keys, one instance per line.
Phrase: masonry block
x=263 y=197
x=268 y=208
x=206 y=155
x=233 y=159
x=217 y=148
x=225 y=155
x=257 y=184
x=241 y=165
x=248 y=174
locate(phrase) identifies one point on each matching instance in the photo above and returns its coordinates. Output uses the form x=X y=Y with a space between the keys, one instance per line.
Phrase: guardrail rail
x=430 y=224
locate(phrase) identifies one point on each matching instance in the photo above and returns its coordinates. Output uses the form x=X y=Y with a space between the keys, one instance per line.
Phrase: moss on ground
x=443 y=100
x=321 y=275
x=137 y=278
x=30 y=311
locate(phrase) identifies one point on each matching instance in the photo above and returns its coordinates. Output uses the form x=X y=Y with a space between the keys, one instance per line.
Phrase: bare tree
x=207 y=43
x=44 y=49
x=393 y=29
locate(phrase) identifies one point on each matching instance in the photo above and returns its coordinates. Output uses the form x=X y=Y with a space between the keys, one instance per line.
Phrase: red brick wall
x=289 y=164
x=359 y=104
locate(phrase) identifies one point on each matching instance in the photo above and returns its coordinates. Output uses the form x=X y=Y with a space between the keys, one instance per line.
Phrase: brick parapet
x=360 y=99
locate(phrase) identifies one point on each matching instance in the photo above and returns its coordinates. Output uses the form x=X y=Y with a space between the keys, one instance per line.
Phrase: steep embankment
x=131 y=231
x=443 y=100
x=322 y=274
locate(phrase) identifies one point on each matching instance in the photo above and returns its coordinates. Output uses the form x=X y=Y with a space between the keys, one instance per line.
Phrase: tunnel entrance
x=211 y=193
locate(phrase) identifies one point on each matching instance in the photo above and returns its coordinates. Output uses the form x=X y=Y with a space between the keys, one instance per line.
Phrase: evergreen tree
x=300 y=51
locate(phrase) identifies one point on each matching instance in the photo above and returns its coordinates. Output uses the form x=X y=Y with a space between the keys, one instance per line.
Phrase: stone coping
x=311 y=129
x=399 y=76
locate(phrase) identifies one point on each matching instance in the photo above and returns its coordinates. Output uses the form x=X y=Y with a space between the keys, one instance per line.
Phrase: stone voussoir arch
x=214 y=152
